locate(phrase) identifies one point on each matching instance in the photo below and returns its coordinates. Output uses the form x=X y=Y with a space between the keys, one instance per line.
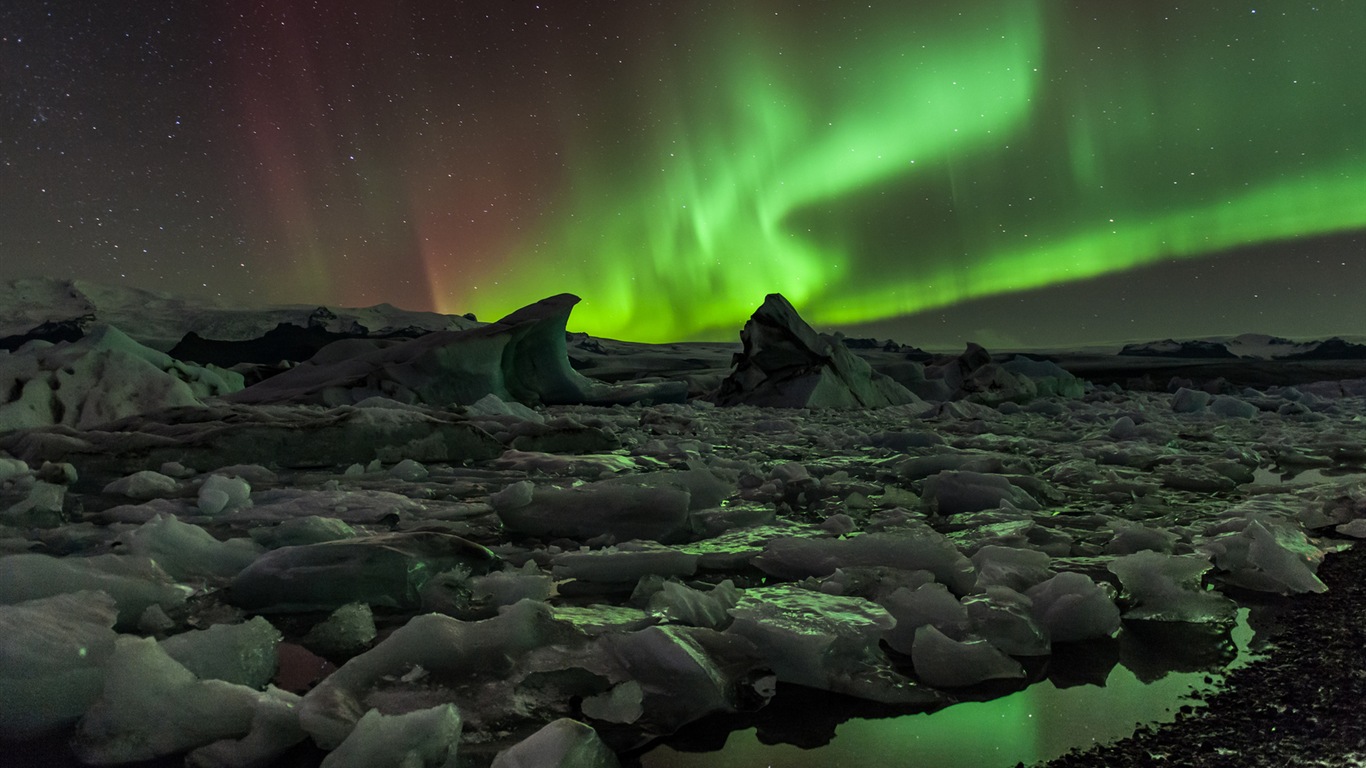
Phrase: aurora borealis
x=674 y=162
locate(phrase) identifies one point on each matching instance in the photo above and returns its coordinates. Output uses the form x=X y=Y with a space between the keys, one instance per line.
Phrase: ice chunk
x=944 y=662
x=520 y=357
x=625 y=563
x=101 y=377
x=426 y=738
x=1072 y=607
x=143 y=485
x=1355 y=528
x=623 y=704
x=686 y=673
x=1267 y=555
x=685 y=605
x=187 y=551
x=1167 y=588
x=41 y=508
x=134 y=582
x=1005 y=618
x=1232 y=407
x=446 y=647
x=1190 y=400
x=310 y=529
x=1018 y=569
x=236 y=653
x=11 y=468
x=387 y=570
x=220 y=494
x=409 y=470
x=274 y=730
x=507 y=587
x=625 y=511
x=1131 y=537
x=492 y=405
x=152 y=706
x=786 y=364
x=563 y=743
x=915 y=548
x=52 y=655
x=347 y=631
x=931 y=605
x=823 y=641
x=952 y=492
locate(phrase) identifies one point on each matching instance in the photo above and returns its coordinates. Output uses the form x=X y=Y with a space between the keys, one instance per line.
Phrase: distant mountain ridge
x=160 y=320
x=1249 y=346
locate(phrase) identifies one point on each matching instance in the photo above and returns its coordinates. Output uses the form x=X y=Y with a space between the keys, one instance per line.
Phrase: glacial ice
x=187 y=551
x=945 y=539
x=944 y=662
x=952 y=492
x=345 y=632
x=135 y=583
x=386 y=570
x=104 y=376
x=220 y=494
x=52 y=656
x=1162 y=587
x=1071 y=607
x=824 y=641
x=915 y=548
x=929 y=605
x=152 y=706
x=786 y=364
x=1269 y=555
x=426 y=738
x=562 y=743
x=243 y=654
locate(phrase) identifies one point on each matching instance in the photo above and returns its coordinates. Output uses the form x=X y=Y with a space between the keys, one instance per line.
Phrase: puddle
x=1040 y=722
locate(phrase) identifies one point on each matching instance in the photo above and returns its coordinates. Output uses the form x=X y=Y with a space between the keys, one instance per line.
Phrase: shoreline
x=1297 y=705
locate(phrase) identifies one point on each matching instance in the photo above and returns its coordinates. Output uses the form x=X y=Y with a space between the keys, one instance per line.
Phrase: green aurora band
x=889 y=161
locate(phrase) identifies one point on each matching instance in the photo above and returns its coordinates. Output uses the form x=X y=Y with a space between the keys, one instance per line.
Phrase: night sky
x=1029 y=173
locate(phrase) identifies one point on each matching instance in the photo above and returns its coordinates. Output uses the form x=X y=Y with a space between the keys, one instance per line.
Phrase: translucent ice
x=931 y=605
x=134 y=582
x=1268 y=555
x=426 y=738
x=823 y=641
x=152 y=706
x=220 y=494
x=187 y=551
x=563 y=743
x=1071 y=607
x=1167 y=588
x=236 y=653
x=952 y=492
x=912 y=549
x=944 y=662
x=52 y=656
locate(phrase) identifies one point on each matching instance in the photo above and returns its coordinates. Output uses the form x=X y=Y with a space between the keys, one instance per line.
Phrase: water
x=1040 y=722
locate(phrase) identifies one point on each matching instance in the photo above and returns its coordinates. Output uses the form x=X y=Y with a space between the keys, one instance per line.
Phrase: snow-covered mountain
x=159 y=320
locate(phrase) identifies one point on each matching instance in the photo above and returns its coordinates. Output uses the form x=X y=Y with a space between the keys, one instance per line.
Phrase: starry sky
x=1034 y=172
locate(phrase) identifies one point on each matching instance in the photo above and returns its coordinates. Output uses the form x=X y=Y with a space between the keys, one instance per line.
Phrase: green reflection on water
x=1038 y=723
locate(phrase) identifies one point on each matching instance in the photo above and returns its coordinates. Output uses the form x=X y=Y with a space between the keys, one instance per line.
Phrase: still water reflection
x=1063 y=711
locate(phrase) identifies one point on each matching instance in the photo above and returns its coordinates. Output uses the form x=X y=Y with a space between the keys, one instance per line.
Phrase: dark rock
x=285 y=341
x=53 y=331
